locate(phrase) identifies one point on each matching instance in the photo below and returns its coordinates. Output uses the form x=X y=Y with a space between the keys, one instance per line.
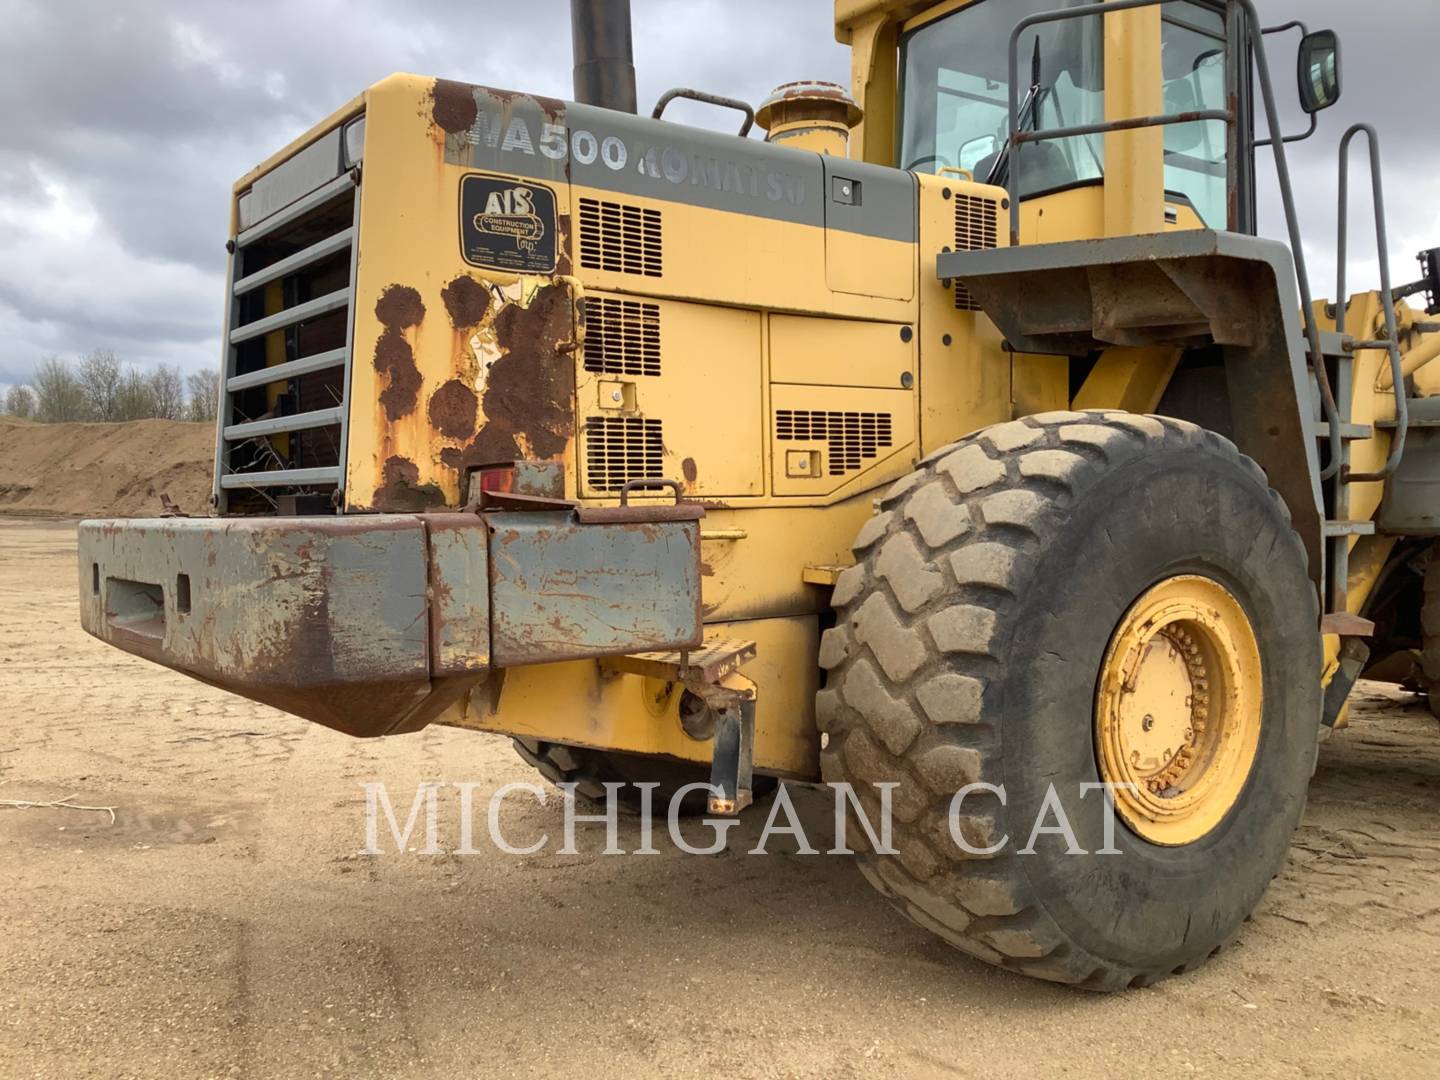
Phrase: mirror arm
x=1314 y=126
x=1293 y=24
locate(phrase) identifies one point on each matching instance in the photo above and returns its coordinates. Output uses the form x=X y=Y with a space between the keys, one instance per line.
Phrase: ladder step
x=710 y=663
x=1349 y=528
x=1346 y=625
x=1350 y=432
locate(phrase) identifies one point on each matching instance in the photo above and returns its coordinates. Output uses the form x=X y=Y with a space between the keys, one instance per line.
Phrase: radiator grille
x=622 y=448
x=975 y=230
x=287 y=348
x=851 y=437
x=622 y=337
x=620 y=238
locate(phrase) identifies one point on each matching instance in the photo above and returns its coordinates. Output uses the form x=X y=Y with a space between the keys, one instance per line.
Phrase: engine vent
x=852 y=437
x=622 y=337
x=975 y=230
x=622 y=448
x=620 y=238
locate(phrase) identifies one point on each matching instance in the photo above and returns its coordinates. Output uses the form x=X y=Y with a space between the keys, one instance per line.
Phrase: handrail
x=1256 y=39
x=1387 y=295
x=706 y=99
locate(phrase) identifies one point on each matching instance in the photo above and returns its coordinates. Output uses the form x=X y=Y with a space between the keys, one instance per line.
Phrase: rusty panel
x=460 y=595
x=561 y=590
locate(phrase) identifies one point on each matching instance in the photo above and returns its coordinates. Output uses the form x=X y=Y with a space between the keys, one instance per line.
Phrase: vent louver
x=975 y=230
x=620 y=238
x=851 y=437
x=622 y=337
x=622 y=448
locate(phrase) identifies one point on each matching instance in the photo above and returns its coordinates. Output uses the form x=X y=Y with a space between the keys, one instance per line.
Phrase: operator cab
x=955 y=99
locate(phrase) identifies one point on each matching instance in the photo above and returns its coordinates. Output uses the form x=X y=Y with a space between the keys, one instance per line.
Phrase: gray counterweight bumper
x=374 y=624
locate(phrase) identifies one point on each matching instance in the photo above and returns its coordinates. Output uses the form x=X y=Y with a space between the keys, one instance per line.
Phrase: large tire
x=589 y=770
x=968 y=643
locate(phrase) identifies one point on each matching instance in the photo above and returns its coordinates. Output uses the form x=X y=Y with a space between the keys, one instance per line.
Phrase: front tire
x=971 y=645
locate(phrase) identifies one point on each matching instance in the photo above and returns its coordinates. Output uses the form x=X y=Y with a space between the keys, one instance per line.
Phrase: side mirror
x=1319 y=71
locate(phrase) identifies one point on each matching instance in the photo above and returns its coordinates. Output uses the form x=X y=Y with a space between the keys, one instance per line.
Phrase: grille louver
x=620 y=238
x=622 y=337
x=851 y=437
x=622 y=448
x=975 y=230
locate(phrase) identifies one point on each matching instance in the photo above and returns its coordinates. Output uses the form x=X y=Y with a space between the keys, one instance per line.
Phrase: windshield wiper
x=1029 y=119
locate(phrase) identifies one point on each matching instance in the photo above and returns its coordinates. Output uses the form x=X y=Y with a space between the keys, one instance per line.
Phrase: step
x=1349 y=528
x=1348 y=432
x=1346 y=625
x=710 y=663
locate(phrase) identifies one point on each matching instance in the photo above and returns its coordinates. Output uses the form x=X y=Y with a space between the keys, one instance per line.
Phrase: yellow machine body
x=769 y=332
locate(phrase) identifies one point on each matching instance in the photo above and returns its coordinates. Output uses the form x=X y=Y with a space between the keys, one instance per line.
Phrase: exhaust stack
x=604 y=55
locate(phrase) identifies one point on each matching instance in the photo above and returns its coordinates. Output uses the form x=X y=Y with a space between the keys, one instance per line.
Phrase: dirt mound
x=100 y=470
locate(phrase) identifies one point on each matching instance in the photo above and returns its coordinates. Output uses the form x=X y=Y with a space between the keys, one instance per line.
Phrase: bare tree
x=19 y=401
x=58 y=393
x=204 y=388
x=100 y=378
x=167 y=392
x=134 y=397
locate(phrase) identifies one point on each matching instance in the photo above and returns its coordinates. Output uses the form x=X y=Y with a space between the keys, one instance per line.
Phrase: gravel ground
x=227 y=925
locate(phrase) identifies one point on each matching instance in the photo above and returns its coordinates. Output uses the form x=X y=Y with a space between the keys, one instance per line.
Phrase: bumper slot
x=135 y=607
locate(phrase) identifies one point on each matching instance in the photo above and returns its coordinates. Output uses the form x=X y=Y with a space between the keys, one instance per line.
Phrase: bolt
x=616 y=395
x=1148 y=723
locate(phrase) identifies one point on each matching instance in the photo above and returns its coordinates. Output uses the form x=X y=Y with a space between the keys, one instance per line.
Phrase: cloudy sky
x=126 y=121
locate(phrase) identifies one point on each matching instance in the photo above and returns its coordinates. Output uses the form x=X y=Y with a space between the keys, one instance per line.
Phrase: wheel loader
x=959 y=441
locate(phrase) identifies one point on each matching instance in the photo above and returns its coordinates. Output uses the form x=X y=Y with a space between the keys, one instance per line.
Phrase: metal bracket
x=732 y=765
x=711 y=673
x=1353 y=655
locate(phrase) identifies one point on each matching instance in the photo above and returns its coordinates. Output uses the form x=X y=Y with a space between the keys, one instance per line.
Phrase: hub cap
x=1177 y=713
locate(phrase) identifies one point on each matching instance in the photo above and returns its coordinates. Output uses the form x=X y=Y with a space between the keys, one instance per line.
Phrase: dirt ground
x=225 y=924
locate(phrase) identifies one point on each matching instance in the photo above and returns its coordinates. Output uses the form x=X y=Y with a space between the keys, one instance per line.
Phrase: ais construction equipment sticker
x=507 y=224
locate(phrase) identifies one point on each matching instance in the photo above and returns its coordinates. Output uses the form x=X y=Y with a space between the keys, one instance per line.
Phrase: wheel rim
x=1178 y=710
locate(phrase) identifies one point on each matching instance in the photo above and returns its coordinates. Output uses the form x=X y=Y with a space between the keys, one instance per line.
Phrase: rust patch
x=452 y=410
x=551 y=107
x=401 y=490
x=395 y=360
x=528 y=390
x=398 y=309
x=493 y=446
x=466 y=300
x=688 y=468
x=454 y=105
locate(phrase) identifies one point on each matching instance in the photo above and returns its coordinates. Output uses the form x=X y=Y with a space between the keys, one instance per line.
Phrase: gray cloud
x=126 y=124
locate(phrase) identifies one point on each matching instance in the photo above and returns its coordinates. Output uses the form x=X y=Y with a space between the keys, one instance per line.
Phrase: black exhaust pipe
x=604 y=55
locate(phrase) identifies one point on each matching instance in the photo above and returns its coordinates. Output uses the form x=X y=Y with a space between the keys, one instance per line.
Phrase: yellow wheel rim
x=1177 y=713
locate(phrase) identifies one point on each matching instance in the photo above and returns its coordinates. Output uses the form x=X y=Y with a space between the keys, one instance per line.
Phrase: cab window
x=955 y=98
